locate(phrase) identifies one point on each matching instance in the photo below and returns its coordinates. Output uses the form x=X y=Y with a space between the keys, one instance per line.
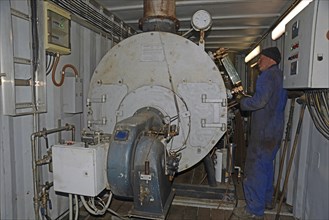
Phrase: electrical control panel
x=57 y=28
x=306 y=48
x=79 y=169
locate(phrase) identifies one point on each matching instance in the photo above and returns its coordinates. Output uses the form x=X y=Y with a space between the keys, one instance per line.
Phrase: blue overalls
x=267 y=124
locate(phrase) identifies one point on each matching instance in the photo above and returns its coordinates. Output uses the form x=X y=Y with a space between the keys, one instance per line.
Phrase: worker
x=267 y=123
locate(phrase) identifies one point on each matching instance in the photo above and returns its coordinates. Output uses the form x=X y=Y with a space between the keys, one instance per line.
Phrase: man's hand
x=239 y=96
x=237 y=90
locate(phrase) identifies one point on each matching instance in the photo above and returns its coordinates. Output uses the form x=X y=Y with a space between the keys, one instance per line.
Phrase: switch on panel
x=57 y=28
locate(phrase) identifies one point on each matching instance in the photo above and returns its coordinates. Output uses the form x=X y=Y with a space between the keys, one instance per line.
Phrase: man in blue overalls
x=267 y=123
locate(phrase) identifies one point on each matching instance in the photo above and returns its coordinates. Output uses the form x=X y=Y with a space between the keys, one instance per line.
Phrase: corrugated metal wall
x=16 y=186
x=308 y=189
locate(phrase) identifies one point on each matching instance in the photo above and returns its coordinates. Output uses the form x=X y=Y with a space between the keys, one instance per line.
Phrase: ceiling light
x=252 y=54
x=252 y=65
x=280 y=28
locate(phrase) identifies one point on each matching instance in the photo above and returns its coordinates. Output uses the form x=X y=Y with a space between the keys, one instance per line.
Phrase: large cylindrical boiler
x=163 y=100
x=168 y=73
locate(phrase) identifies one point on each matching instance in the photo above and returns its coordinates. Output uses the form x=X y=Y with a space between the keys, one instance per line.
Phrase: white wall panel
x=23 y=127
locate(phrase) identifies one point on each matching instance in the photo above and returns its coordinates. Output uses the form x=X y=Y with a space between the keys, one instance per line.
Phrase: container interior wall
x=16 y=185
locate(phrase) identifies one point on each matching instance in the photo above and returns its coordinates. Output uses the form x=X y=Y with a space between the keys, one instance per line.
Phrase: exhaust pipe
x=159 y=15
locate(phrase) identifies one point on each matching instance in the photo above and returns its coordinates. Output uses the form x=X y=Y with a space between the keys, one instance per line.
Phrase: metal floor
x=189 y=208
x=184 y=212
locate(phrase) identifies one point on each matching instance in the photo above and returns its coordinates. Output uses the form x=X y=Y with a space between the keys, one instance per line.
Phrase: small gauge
x=201 y=20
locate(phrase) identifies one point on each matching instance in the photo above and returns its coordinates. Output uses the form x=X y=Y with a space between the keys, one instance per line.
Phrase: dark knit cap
x=273 y=53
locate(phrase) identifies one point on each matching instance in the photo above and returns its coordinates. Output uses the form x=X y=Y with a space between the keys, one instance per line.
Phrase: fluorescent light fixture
x=252 y=54
x=280 y=28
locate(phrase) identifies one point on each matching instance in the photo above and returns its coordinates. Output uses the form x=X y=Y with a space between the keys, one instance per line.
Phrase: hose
x=209 y=166
x=60 y=83
x=54 y=71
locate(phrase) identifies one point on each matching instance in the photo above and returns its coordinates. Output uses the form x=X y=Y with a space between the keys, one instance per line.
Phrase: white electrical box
x=306 y=48
x=80 y=170
x=72 y=94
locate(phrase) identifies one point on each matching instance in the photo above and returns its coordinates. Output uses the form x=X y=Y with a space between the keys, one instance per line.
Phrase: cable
x=103 y=20
x=93 y=210
x=317 y=104
x=35 y=51
x=50 y=64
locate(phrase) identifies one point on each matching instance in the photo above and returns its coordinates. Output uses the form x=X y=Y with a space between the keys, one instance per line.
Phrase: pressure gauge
x=201 y=20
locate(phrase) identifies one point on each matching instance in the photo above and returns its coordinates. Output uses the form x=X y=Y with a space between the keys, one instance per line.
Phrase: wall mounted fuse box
x=57 y=28
x=306 y=48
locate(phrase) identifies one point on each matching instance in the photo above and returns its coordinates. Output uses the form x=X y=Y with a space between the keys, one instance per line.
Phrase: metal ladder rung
x=20 y=60
x=20 y=14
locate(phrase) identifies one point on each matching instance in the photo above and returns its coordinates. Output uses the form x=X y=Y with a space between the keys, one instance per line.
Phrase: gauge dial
x=201 y=20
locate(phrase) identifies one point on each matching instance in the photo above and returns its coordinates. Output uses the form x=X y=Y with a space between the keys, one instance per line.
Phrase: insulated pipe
x=291 y=159
x=35 y=173
x=163 y=8
x=159 y=15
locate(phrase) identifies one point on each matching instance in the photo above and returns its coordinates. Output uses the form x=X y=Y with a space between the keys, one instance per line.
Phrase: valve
x=173 y=164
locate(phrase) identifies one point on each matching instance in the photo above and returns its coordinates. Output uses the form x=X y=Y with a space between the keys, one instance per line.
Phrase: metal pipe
x=159 y=15
x=160 y=8
x=70 y=207
x=210 y=170
x=285 y=147
x=301 y=116
x=76 y=216
x=35 y=172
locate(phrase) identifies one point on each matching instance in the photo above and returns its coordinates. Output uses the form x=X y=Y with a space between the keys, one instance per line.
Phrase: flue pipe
x=159 y=15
